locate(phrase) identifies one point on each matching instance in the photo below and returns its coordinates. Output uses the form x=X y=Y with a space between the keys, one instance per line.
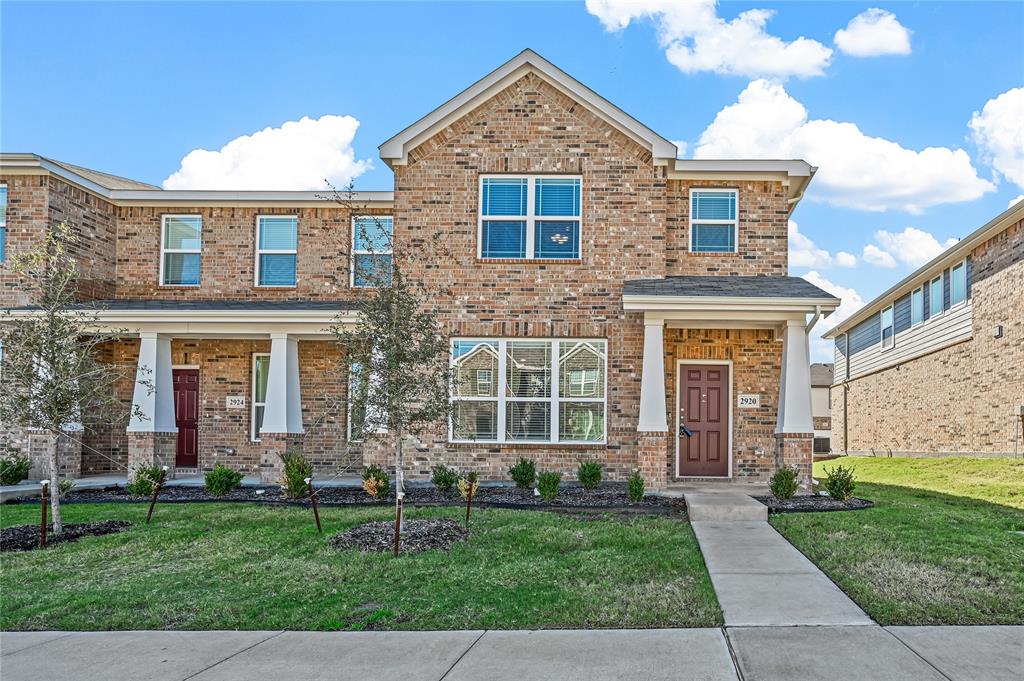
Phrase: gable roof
x=105 y=180
x=396 y=150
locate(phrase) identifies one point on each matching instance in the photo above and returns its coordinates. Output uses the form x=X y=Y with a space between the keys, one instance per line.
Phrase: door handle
x=684 y=431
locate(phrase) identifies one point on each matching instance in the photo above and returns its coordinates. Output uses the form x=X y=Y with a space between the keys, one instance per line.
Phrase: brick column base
x=69 y=456
x=152 y=449
x=272 y=446
x=652 y=459
x=796 y=450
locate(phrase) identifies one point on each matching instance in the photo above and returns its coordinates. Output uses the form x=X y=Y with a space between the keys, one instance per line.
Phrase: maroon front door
x=704 y=411
x=186 y=416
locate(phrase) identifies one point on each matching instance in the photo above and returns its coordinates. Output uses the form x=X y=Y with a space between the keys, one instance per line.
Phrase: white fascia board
x=706 y=304
x=265 y=317
x=395 y=150
x=790 y=167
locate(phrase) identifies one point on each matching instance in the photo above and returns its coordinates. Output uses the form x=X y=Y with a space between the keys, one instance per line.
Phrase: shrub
x=589 y=474
x=222 y=480
x=443 y=477
x=839 y=482
x=143 y=480
x=784 y=482
x=636 y=486
x=523 y=472
x=376 y=482
x=547 y=485
x=296 y=469
x=14 y=467
x=65 y=486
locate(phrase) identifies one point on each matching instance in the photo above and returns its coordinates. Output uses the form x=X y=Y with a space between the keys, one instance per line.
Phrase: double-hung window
x=917 y=306
x=372 y=253
x=528 y=217
x=548 y=391
x=714 y=225
x=277 y=241
x=181 y=247
x=958 y=284
x=935 y=304
x=888 y=330
x=260 y=373
x=3 y=222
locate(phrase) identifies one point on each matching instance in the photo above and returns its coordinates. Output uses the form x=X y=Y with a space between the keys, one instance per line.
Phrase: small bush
x=14 y=467
x=523 y=473
x=636 y=486
x=65 y=486
x=222 y=480
x=547 y=485
x=296 y=469
x=376 y=482
x=839 y=482
x=589 y=474
x=784 y=483
x=143 y=480
x=443 y=477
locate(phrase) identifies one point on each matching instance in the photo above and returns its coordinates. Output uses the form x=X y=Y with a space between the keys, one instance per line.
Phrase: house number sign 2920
x=748 y=401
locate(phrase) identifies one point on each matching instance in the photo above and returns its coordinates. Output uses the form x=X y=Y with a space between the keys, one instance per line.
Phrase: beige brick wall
x=959 y=400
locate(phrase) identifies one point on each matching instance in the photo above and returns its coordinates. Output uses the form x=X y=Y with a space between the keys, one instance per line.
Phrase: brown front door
x=704 y=410
x=186 y=416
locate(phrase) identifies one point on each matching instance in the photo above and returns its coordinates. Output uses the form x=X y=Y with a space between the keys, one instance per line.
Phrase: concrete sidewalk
x=854 y=653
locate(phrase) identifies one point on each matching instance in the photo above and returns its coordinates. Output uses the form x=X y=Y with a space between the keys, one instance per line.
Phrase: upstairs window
x=277 y=240
x=530 y=217
x=181 y=249
x=917 y=306
x=958 y=284
x=714 y=225
x=888 y=330
x=935 y=297
x=372 y=251
x=3 y=222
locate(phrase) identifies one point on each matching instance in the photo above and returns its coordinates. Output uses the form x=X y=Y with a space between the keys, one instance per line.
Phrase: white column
x=154 y=387
x=795 y=381
x=652 y=380
x=283 y=410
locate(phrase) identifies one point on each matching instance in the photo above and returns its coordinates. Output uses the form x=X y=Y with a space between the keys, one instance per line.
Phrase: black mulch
x=26 y=537
x=607 y=495
x=813 y=502
x=418 y=535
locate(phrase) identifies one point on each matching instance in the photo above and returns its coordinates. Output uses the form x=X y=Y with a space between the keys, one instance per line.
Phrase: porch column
x=794 y=429
x=283 y=410
x=152 y=428
x=652 y=380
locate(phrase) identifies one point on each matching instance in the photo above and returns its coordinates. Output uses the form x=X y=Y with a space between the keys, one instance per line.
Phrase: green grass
x=939 y=547
x=241 y=566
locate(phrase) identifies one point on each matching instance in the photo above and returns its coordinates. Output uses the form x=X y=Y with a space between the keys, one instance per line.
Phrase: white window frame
x=164 y=250
x=489 y=382
x=530 y=218
x=352 y=260
x=348 y=409
x=892 y=325
x=952 y=303
x=555 y=398
x=735 y=222
x=922 y=320
x=253 y=435
x=276 y=251
x=3 y=225
x=931 y=298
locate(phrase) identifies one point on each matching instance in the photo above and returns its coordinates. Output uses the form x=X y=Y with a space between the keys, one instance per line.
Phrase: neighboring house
x=935 y=365
x=821 y=407
x=606 y=295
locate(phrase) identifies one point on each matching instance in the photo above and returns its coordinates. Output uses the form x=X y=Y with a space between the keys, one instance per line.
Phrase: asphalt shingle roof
x=726 y=286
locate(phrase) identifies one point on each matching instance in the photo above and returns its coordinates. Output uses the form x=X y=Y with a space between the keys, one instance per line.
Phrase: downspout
x=814 y=319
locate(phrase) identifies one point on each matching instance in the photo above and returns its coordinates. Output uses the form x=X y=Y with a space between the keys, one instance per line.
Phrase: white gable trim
x=396 y=150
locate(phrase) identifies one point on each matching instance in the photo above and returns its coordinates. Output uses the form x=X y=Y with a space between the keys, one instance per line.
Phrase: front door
x=186 y=416
x=704 y=411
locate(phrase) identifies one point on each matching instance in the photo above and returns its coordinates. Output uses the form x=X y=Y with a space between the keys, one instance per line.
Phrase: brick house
x=608 y=296
x=935 y=365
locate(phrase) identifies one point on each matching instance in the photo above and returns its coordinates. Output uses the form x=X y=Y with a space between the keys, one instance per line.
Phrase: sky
x=913 y=111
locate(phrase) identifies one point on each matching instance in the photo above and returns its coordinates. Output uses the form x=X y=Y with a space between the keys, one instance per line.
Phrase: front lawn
x=242 y=566
x=939 y=547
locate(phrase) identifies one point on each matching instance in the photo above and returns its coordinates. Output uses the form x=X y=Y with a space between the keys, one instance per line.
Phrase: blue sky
x=133 y=88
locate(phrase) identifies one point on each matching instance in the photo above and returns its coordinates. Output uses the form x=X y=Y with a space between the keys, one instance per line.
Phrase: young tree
x=51 y=377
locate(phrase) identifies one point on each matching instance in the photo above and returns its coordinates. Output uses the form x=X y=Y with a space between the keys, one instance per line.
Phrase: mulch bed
x=26 y=537
x=418 y=535
x=813 y=503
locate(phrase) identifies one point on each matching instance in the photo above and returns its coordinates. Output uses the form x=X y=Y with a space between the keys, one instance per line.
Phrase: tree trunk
x=55 y=486
x=399 y=480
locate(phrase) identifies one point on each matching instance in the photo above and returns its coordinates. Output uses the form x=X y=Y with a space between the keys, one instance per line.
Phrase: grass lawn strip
x=242 y=566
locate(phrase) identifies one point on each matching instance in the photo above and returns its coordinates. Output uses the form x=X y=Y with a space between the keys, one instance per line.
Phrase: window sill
x=530 y=261
x=175 y=286
x=264 y=287
x=705 y=254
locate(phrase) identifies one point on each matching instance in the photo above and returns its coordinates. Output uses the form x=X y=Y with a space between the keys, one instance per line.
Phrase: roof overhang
x=794 y=174
x=395 y=151
x=726 y=305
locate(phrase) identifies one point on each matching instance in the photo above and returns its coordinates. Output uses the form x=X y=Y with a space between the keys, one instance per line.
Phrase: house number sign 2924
x=748 y=401
x=235 y=402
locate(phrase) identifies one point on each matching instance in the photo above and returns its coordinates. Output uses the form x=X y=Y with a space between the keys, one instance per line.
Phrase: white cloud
x=876 y=256
x=299 y=155
x=999 y=132
x=804 y=253
x=912 y=246
x=1013 y=202
x=821 y=349
x=855 y=170
x=873 y=32
x=681 y=148
x=696 y=39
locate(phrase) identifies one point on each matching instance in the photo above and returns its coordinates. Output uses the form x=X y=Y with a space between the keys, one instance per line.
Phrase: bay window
x=530 y=217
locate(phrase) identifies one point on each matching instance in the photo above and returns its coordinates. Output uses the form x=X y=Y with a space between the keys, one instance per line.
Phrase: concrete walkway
x=730 y=654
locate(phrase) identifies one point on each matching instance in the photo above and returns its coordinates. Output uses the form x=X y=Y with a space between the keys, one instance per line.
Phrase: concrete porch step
x=724 y=506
